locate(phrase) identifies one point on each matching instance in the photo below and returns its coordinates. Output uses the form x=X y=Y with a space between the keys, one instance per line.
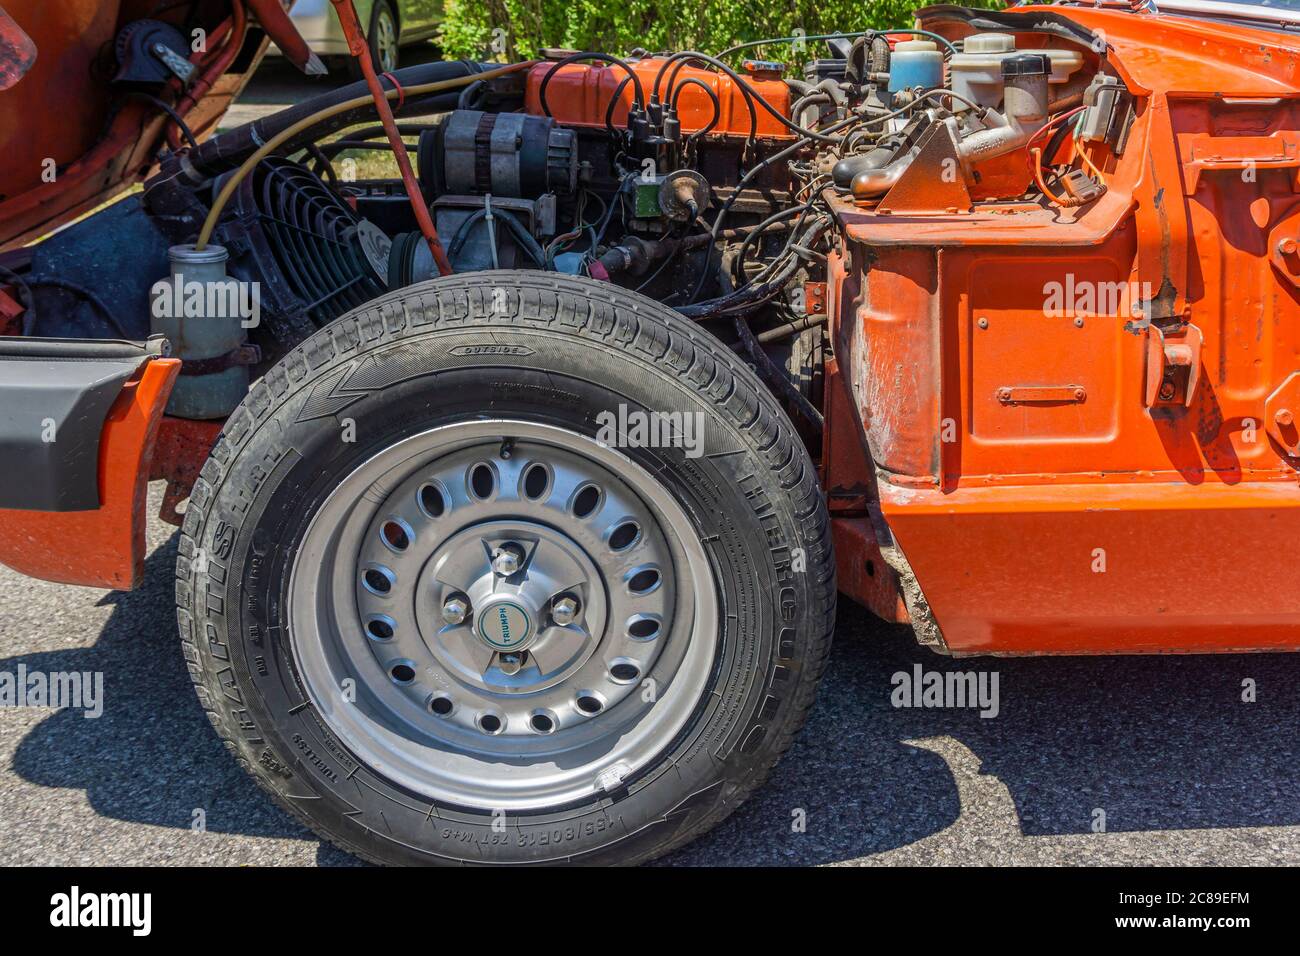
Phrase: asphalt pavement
x=1184 y=771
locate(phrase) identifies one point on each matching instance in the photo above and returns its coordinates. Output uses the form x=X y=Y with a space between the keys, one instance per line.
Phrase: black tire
x=553 y=349
x=380 y=8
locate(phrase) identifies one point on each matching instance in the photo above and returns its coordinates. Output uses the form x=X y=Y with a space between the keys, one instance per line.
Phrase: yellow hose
x=228 y=190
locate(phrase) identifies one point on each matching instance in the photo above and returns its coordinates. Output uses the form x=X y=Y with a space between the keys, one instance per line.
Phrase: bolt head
x=507 y=560
x=1284 y=417
x=455 y=610
x=564 y=610
x=1286 y=247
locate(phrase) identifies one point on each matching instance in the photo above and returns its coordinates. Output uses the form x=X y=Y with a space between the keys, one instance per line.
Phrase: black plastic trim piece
x=54 y=397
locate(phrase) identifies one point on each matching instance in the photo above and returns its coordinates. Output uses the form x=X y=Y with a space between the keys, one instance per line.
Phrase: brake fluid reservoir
x=976 y=72
x=915 y=63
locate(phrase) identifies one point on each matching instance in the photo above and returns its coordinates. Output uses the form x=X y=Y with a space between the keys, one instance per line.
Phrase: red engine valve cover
x=579 y=93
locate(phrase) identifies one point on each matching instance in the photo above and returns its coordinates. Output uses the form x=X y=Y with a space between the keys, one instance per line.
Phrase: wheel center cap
x=504 y=625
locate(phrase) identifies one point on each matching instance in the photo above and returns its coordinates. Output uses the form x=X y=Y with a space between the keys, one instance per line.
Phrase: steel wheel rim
x=386 y=41
x=587 y=710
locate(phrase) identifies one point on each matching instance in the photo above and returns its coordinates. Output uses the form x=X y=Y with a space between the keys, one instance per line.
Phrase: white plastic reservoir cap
x=989 y=43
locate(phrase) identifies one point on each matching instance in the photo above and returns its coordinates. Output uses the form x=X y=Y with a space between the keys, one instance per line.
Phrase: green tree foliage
x=517 y=29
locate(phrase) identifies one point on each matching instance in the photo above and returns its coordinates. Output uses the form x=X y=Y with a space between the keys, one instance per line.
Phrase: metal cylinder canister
x=1025 y=88
x=202 y=311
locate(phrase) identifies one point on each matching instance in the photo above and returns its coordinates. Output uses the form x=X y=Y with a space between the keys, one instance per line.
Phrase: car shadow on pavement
x=1159 y=743
x=152 y=757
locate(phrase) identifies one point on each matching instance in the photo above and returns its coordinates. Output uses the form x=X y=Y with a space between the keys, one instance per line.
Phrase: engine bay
x=715 y=189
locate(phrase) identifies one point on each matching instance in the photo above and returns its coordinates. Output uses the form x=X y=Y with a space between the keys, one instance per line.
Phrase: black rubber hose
x=516 y=228
x=679 y=60
x=95 y=301
x=771 y=373
x=171 y=113
x=227 y=151
x=735 y=194
x=775 y=376
x=756 y=234
x=323 y=165
x=752 y=297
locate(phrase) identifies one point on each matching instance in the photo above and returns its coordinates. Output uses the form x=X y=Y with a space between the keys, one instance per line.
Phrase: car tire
x=320 y=480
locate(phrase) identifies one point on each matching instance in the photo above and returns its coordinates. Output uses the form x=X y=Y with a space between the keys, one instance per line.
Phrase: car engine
x=713 y=189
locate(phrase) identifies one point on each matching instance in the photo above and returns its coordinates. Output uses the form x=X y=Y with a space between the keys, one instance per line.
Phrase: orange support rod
x=358 y=47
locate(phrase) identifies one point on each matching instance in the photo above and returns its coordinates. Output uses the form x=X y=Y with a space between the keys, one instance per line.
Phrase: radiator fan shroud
x=313 y=257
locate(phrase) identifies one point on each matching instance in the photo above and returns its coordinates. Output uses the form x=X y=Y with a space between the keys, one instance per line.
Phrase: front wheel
x=517 y=568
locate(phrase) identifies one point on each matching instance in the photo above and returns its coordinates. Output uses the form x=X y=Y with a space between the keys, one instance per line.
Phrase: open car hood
x=80 y=84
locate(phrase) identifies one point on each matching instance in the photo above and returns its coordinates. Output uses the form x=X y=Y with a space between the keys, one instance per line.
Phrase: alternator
x=506 y=154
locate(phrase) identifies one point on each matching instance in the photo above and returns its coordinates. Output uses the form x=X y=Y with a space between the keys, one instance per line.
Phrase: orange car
x=515 y=492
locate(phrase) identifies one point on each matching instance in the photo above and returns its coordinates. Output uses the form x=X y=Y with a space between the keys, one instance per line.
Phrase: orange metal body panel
x=182 y=446
x=862 y=573
x=1000 y=362
x=1106 y=568
x=59 y=110
x=579 y=93
x=102 y=548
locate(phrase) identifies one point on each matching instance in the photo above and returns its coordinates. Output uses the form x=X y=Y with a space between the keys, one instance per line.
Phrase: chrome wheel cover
x=503 y=615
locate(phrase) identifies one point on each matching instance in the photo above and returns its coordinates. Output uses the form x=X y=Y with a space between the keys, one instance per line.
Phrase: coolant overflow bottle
x=205 y=315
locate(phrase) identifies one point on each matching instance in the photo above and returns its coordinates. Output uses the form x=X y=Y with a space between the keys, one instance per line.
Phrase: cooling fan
x=313 y=256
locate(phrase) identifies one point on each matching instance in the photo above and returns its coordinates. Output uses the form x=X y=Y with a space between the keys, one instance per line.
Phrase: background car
x=390 y=25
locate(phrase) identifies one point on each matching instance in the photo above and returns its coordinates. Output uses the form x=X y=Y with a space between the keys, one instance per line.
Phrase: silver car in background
x=389 y=25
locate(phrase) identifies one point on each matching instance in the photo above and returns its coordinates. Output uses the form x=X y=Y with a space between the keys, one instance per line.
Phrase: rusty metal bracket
x=1214 y=153
x=1173 y=365
x=181 y=448
x=934 y=182
x=1042 y=394
x=1282 y=415
x=814 y=298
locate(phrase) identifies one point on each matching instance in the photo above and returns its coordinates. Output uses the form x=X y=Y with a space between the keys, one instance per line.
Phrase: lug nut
x=507 y=560
x=455 y=610
x=564 y=610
